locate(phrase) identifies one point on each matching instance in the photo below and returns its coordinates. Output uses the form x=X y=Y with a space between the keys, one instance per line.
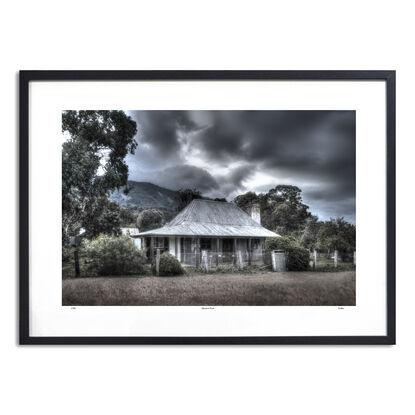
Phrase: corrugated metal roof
x=210 y=218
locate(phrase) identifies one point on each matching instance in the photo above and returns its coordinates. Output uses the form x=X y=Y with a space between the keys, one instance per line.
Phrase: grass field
x=268 y=288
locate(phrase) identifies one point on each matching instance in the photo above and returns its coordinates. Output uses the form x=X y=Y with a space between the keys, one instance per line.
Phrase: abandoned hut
x=206 y=230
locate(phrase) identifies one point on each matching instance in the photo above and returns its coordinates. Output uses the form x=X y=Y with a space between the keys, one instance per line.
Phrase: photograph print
x=208 y=208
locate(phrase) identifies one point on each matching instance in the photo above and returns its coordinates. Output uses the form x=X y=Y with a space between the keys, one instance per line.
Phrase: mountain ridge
x=146 y=195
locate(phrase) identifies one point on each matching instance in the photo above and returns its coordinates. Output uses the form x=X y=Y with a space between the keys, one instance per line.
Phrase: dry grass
x=290 y=288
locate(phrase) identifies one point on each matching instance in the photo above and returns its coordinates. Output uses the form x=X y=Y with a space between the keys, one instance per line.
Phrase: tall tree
x=247 y=200
x=128 y=216
x=309 y=237
x=149 y=219
x=282 y=209
x=102 y=216
x=186 y=196
x=338 y=234
x=92 y=166
x=289 y=213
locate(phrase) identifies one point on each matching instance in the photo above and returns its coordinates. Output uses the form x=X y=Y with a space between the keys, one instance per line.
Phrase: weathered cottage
x=206 y=230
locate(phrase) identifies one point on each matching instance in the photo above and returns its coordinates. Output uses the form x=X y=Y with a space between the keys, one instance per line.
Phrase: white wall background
x=208 y=35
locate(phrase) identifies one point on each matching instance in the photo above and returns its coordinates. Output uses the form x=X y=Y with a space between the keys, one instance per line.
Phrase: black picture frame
x=26 y=77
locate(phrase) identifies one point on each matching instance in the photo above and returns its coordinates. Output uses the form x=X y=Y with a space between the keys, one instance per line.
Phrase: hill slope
x=143 y=195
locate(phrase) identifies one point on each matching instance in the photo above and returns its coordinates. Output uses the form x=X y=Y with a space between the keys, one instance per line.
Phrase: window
x=206 y=244
x=228 y=245
x=161 y=243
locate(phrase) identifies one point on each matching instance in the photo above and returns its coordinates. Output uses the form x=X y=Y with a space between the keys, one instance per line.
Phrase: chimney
x=256 y=213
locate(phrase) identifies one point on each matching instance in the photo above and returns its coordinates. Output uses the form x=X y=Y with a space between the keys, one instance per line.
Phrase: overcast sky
x=227 y=153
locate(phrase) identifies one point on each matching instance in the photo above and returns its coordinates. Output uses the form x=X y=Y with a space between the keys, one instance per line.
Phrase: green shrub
x=298 y=258
x=280 y=242
x=112 y=255
x=169 y=265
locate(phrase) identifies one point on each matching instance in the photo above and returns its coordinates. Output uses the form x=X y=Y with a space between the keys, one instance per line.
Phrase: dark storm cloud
x=313 y=142
x=187 y=177
x=158 y=137
x=161 y=129
x=253 y=134
x=233 y=182
x=305 y=146
x=314 y=150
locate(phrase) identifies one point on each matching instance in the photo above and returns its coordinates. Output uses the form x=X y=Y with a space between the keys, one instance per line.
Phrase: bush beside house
x=111 y=255
x=169 y=265
x=297 y=257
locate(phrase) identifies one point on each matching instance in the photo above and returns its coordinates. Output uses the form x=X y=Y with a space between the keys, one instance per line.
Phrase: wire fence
x=212 y=259
x=277 y=260
x=320 y=260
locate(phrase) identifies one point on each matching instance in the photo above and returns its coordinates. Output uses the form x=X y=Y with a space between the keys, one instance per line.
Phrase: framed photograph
x=207 y=207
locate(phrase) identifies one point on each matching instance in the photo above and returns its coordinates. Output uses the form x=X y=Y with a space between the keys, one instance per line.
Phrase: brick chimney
x=256 y=213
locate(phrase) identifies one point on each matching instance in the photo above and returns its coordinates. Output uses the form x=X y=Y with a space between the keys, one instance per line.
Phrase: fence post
x=151 y=248
x=158 y=261
x=354 y=258
x=273 y=261
x=315 y=260
x=197 y=252
x=335 y=258
x=240 y=262
x=76 y=259
x=205 y=264
x=217 y=252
